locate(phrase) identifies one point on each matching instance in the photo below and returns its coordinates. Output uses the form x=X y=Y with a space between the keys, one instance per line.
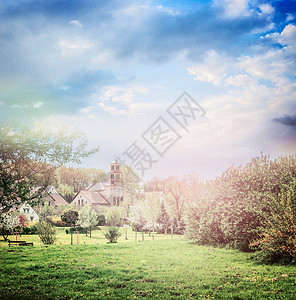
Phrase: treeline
x=68 y=181
x=251 y=207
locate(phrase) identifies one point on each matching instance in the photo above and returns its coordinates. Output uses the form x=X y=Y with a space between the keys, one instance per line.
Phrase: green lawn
x=163 y=268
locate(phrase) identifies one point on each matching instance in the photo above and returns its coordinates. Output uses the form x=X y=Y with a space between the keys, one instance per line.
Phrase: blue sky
x=111 y=68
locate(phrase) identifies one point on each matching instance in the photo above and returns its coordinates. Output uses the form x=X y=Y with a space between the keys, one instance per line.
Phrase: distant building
x=27 y=210
x=103 y=193
x=52 y=197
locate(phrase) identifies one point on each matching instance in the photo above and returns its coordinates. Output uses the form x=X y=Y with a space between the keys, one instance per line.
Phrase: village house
x=108 y=193
x=28 y=211
x=52 y=197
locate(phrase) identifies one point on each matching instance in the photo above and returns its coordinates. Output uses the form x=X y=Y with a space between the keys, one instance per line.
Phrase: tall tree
x=29 y=158
x=88 y=218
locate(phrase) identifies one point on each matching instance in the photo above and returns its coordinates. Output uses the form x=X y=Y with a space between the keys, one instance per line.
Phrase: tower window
x=112 y=168
x=117 y=167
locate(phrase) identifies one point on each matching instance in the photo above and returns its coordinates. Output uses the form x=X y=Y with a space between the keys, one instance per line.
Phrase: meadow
x=163 y=268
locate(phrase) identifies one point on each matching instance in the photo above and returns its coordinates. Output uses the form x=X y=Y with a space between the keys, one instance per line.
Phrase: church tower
x=115 y=175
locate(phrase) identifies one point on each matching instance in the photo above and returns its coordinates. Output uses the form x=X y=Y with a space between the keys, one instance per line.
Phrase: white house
x=27 y=210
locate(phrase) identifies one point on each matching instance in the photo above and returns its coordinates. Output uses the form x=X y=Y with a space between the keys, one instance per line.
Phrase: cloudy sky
x=115 y=69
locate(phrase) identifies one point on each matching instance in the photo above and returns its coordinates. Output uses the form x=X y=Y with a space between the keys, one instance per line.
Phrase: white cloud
x=87 y=110
x=76 y=23
x=76 y=44
x=290 y=17
x=286 y=38
x=112 y=109
x=122 y=94
x=241 y=80
x=211 y=70
x=266 y=9
x=234 y=8
x=37 y=104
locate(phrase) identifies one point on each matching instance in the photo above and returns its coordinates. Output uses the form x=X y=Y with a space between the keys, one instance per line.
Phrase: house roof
x=96 y=187
x=95 y=197
x=58 y=199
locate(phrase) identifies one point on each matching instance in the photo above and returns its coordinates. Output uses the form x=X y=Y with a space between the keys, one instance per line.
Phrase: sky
x=168 y=87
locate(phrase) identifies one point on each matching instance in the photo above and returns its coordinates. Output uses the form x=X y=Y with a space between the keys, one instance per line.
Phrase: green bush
x=112 y=234
x=278 y=239
x=30 y=229
x=46 y=232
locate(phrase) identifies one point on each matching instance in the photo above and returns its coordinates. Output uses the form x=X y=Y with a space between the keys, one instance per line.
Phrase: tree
x=29 y=158
x=151 y=210
x=136 y=218
x=114 y=216
x=70 y=180
x=277 y=240
x=70 y=217
x=176 y=196
x=163 y=219
x=112 y=234
x=8 y=223
x=131 y=182
x=88 y=218
x=47 y=232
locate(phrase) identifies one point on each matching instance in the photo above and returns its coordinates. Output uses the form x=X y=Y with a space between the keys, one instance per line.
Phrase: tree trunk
x=142 y=235
x=71 y=235
x=89 y=231
x=136 y=234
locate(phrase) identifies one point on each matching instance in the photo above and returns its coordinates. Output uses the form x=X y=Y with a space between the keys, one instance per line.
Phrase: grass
x=163 y=268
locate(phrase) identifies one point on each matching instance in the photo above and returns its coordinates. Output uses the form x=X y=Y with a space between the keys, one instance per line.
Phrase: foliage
x=114 y=216
x=101 y=220
x=30 y=229
x=46 y=232
x=131 y=182
x=70 y=180
x=232 y=210
x=112 y=234
x=8 y=223
x=136 y=218
x=22 y=220
x=70 y=217
x=278 y=239
x=163 y=220
x=177 y=198
x=29 y=158
x=46 y=211
x=88 y=218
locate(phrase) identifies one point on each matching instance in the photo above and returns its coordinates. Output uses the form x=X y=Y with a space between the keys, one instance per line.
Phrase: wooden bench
x=20 y=243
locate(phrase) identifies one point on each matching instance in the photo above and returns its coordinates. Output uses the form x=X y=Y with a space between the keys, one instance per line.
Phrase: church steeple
x=115 y=173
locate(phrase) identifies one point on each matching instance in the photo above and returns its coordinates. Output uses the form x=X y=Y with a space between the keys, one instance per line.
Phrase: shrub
x=278 y=239
x=30 y=229
x=101 y=220
x=112 y=234
x=46 y=232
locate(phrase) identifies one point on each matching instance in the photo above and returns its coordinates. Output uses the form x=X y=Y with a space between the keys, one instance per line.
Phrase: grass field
x=163 y=268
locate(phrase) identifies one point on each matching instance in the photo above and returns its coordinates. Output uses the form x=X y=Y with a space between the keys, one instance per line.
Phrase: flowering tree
x=88 y=218
x=8 y=223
